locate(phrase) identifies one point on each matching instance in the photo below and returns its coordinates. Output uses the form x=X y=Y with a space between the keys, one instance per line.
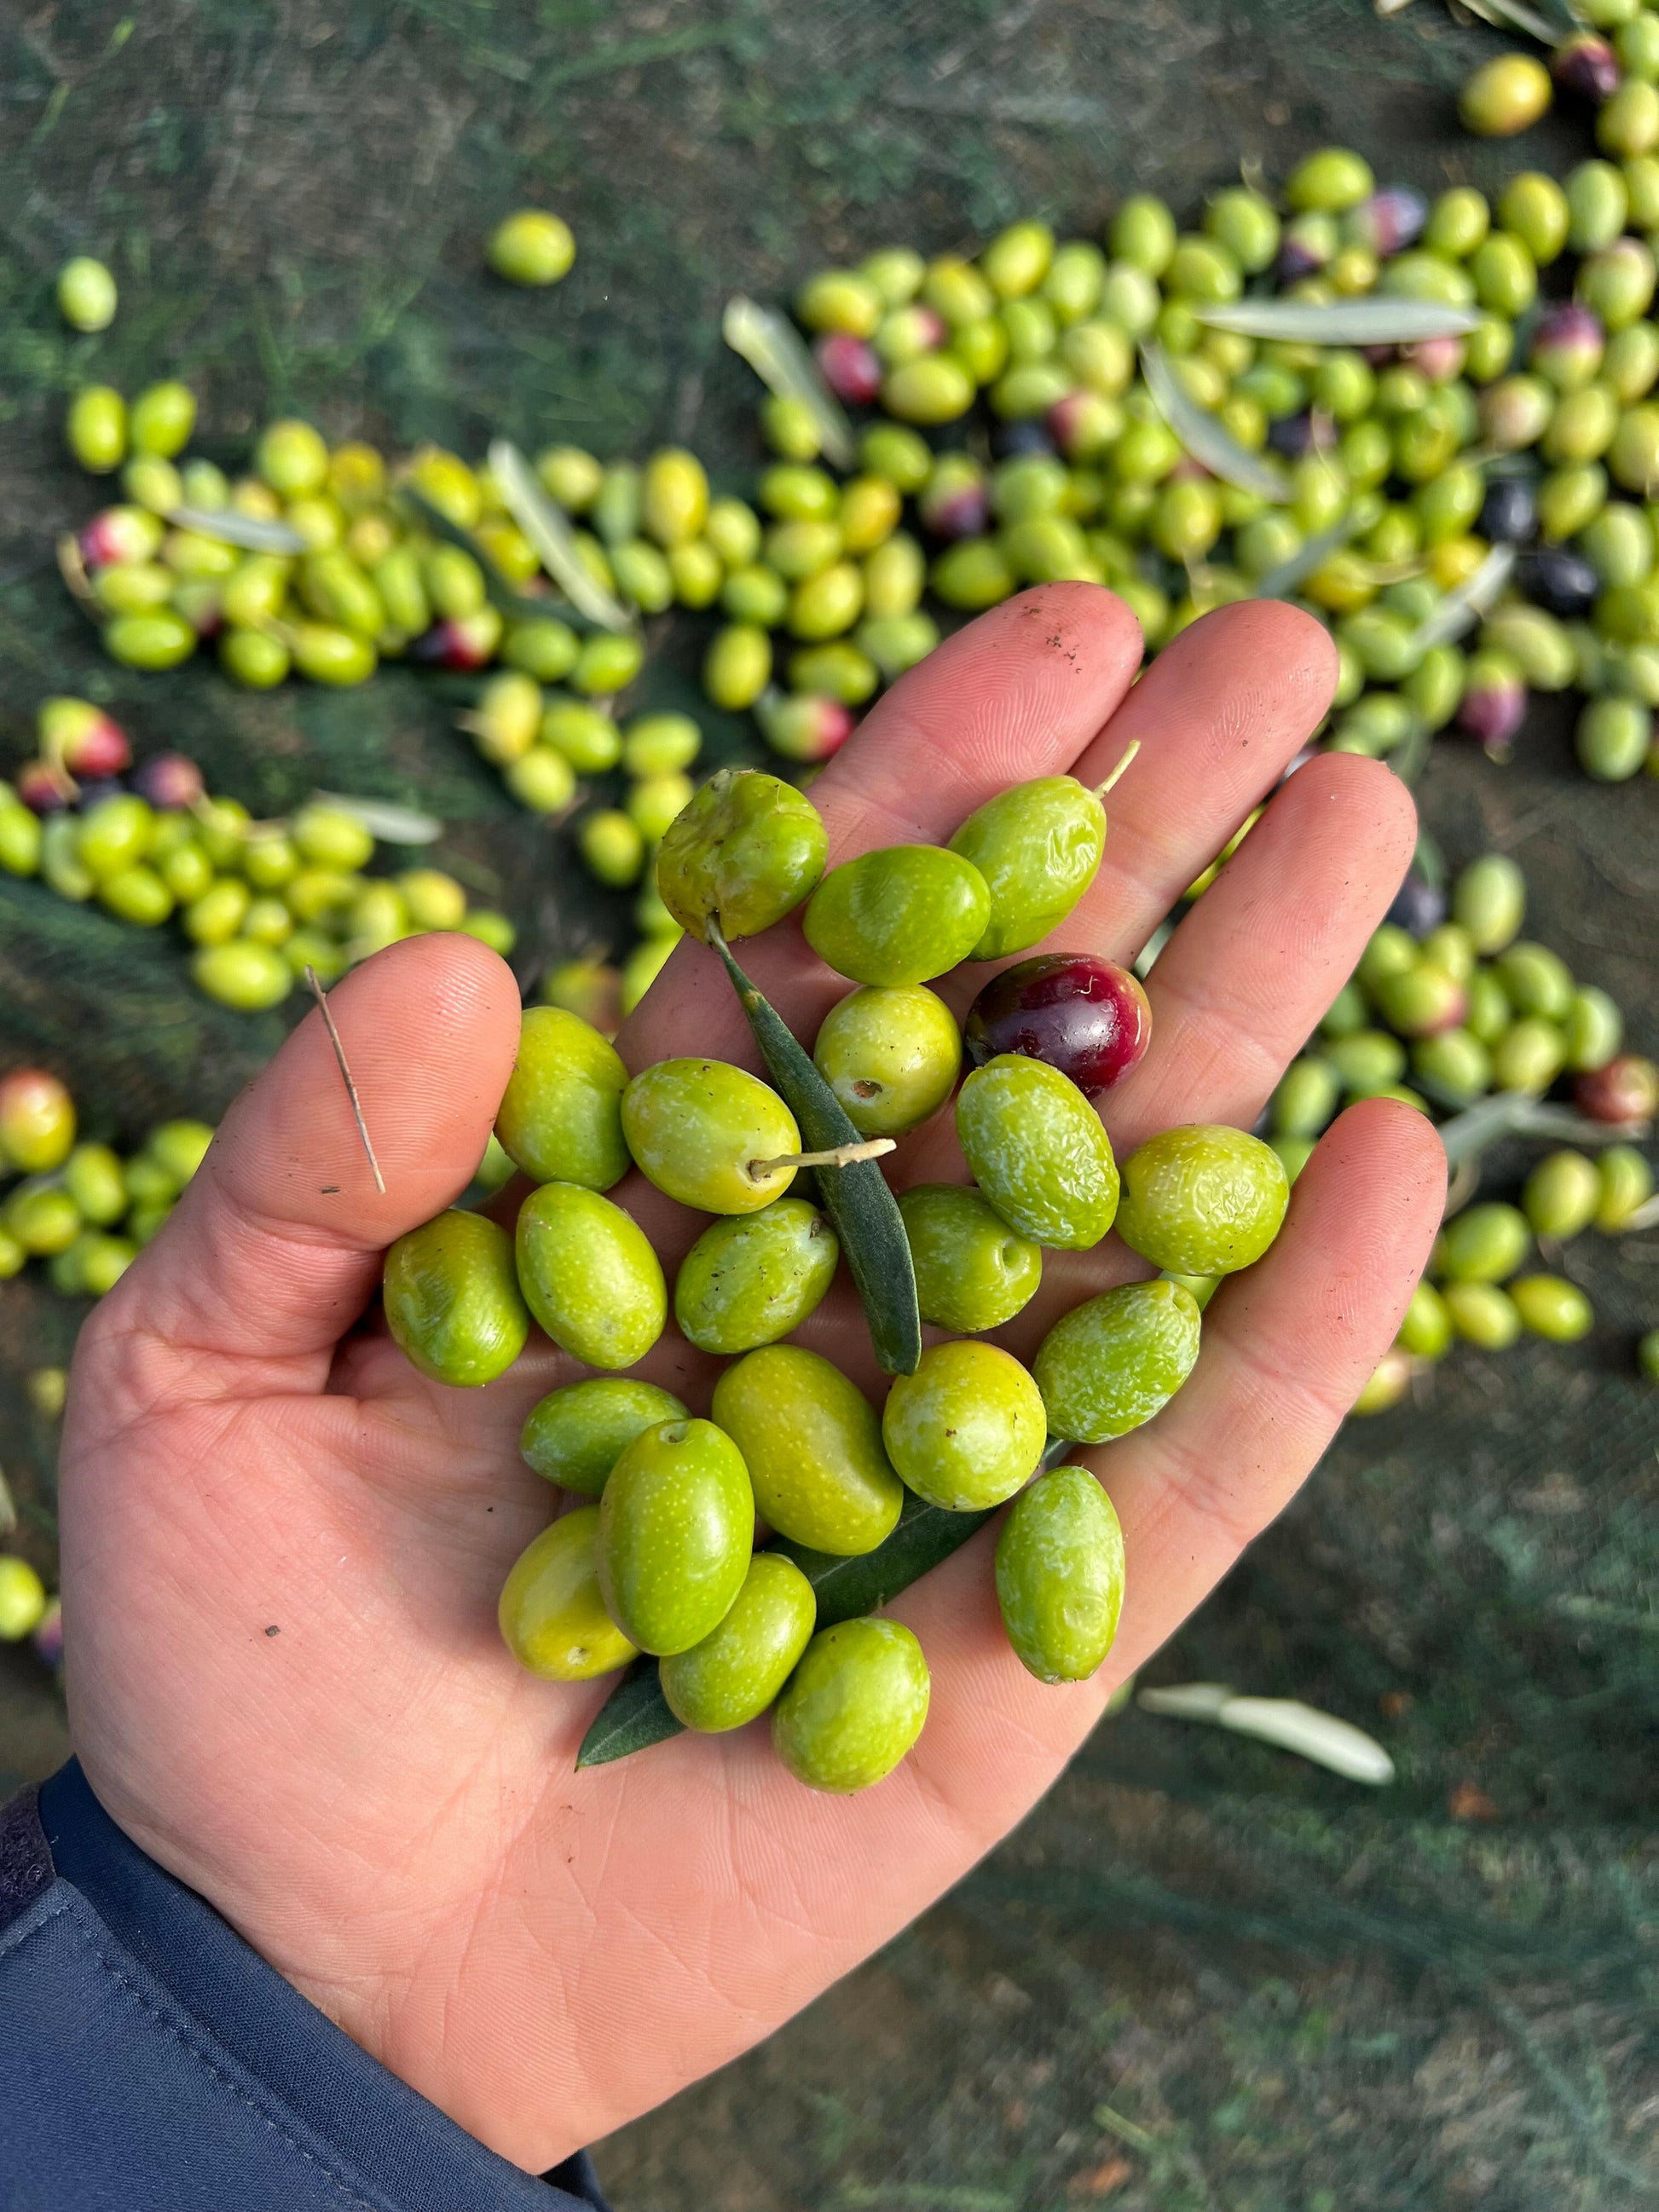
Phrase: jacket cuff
x=154 y=2062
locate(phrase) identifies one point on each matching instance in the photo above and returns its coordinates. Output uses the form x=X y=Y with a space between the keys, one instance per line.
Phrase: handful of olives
x=660 y=1562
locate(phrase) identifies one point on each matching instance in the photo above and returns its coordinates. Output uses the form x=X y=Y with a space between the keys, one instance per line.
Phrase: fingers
x=276 y=1245
x=1219 y=716
x=1018 y=693
x=1257 y=961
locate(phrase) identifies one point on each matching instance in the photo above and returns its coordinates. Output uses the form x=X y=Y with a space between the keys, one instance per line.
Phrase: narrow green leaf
x=632 y=1718
x=1380 y=320
x=549 y=530
x=863 y=1210
x=394 y=825
x=771 y=345
x=250 y=531
x=847 y=1589
x=1462 y=609
x=1205 y=438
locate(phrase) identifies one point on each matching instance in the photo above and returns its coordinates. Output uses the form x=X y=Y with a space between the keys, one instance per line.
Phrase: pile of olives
x=80 y=1206
x=660 y=1558
x=260 y=901
x=1450 y=1005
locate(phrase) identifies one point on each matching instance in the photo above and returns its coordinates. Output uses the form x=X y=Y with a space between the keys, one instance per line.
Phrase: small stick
x=839 y=1156
x=1101 y=789
x=345 y=1072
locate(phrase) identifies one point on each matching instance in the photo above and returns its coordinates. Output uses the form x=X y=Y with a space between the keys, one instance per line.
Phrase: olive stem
x=838 y=1156
x=1101 y=789
x=73 y=570
x=318 y=993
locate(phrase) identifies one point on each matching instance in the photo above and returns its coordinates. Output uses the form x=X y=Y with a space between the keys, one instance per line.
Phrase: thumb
x=275 y=1248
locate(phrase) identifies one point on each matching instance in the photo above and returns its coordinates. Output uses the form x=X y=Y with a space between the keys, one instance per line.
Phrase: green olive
x=96 y=428
x=813 y=1446
x=743 y=854
x=532 y=247
x=330 y=655
x=1482 y=1314
x=967 y=1429
x=891 y=1054
x=239 y=972
x=703 y=1130
x=751 y=1279
x=292 y=458
x=1551 y=1307
x=452 y=1299
x=216 y=916
x=1594 y=1030
x=1626 y=1186
x=589 y=1275
x=251 y=659
x=163 y=416
x=560 y=1116
x=93 y=1179
x=138 y=894
x=1037 y=1150
x=1483 y=1244
x=22 y=1599
x=552 y=1618
x=899 y=915
x=1060 y=1572
x=1038 y=846
x=1426 y=1330
x=575 y=1435
x=738 y=666
x=1561 y=1195
x=973 y=1271
x=1113 y=1361
x=1202 y=1200
x=660 y=745
x=1307 y=1095
x=854 y=1706
x=42 y=1217
x=157 y=639
x=87 y=296
x=736 y=1672
x=1330 y=181
x=677 y=1525
x=588 y=739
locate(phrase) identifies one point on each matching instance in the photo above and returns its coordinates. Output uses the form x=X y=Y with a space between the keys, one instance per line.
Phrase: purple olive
x=1083 y=1015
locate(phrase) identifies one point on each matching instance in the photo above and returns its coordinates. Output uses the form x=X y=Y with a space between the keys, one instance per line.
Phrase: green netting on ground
x=1202 y=1975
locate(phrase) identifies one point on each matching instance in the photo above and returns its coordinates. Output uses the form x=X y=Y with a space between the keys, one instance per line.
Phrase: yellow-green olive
x=552 y=1618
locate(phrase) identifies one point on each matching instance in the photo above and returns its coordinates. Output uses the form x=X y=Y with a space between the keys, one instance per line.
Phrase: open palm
x=282 y=1548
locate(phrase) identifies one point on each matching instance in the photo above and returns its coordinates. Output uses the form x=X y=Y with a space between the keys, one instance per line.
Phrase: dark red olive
x=1085 y=1016
x=851 y=368
x=1625 y=1090
x=1586 y=65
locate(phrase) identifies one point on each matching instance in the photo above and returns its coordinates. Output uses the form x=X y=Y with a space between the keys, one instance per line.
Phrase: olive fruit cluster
x=1449 y=1005
x=80 y=1206
x=260 y=901
x=662 y=1562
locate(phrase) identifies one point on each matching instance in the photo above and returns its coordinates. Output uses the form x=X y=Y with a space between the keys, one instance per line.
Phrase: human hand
x=282 y=1547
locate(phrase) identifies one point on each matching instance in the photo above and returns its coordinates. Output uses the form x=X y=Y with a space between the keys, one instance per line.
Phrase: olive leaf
x=1517 y=1114
x=252 y=533
x=636 y=1714
x=547 y=530
x=772 y=348
x=394 y=825
x=1381 y=320
x=1206 y=439
x=863 y=1210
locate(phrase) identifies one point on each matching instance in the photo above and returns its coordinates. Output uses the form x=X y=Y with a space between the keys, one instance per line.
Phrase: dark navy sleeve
x=152 y=2063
